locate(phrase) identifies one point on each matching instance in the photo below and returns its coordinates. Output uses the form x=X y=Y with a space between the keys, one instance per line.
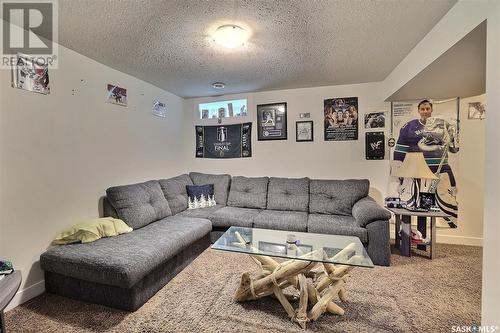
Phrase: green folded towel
x=91 y=230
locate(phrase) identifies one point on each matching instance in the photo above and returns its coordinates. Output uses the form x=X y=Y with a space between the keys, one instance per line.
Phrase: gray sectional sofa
x=125 y=271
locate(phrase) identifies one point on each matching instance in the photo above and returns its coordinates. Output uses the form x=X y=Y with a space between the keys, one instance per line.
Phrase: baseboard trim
x=460 y=240
x=27 y=294
x=451 y=239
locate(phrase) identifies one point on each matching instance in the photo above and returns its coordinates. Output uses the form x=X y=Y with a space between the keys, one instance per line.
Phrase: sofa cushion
x=139 y=204
x=200 y=196
x=125 y=259
x=205 y=213
x=281 y=220
x=336 y=196
x=234 y=216
x=248 y=192
x=288 y=194
x=336 y=225
x=174 y=190
x=221 y=184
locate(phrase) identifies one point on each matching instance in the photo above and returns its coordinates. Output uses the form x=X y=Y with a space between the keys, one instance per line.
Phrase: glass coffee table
x=316 y=265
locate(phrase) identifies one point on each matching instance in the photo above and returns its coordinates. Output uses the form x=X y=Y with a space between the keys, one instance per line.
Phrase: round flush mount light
x=218 y=85
x=230 y=36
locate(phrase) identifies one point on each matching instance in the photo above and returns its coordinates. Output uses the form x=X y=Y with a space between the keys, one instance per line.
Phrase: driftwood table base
x=318 y=283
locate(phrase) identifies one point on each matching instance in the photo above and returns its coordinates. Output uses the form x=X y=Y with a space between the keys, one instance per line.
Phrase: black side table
x=9 y=286
x=403 y=222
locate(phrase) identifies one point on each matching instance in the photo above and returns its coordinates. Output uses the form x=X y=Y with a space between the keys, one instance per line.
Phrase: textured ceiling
x=294 y=43
x=460 y=71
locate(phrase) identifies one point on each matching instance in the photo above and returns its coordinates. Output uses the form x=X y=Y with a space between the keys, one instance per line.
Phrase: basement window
x=223 y=109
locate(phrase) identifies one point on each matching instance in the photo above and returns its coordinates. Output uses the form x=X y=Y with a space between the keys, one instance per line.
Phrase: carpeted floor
x=413 y=295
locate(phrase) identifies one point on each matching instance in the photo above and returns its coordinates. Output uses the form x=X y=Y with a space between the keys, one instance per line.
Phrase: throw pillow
x=91 y=230
x=200 y=196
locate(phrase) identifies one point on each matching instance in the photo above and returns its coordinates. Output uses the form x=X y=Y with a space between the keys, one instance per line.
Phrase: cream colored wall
x=318 y=159
x=60 y=152
x=471 y=179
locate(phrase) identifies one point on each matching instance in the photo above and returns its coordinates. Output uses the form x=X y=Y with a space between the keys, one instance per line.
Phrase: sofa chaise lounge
x=125 y=271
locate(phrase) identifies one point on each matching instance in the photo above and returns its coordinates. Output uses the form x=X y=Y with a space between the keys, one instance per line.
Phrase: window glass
x=223 y=109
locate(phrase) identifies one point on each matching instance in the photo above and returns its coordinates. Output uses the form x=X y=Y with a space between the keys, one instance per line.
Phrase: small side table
x=9 y=286
x=403 y=222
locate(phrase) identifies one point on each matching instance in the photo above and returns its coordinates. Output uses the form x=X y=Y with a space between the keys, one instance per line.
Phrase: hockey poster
x=341 y=119
x=430 y=127
x=29 y=75
x=224 y=141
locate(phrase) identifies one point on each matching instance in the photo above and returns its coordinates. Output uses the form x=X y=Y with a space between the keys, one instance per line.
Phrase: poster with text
x=224 y=141
x=341 y=119
x=433 y=129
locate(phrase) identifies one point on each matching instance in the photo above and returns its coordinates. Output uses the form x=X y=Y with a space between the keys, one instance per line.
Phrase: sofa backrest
x=139 y=204
x=175 y=192
x=288 y=194
x=336 y=196
x=221 y=184
x=248 y=192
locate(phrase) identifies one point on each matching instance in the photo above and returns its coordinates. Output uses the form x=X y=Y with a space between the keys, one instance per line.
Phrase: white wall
x=460 y=20
x=318 y=159
x=60 y=152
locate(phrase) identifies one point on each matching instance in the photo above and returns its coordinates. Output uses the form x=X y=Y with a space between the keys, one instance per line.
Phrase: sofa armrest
x=367 y=210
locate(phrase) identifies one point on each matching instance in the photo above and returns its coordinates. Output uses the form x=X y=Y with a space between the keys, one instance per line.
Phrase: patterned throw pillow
x=200 y=196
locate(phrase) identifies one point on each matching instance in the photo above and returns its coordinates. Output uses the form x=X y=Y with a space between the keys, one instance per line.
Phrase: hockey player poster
x=224 y=141
x=341 y=119
x=429 y=127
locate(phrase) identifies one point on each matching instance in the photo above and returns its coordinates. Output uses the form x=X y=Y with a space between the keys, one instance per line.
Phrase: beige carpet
x=413 y=295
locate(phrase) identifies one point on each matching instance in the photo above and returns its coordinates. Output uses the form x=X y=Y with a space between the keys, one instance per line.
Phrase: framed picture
x=271 y=122
x=341 y=119
x=304 y=131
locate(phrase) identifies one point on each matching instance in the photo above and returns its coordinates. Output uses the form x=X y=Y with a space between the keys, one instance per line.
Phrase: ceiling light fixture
x=218 y=85
x=230 y=36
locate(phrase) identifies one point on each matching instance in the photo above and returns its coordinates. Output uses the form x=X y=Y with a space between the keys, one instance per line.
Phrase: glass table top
x=334 y=249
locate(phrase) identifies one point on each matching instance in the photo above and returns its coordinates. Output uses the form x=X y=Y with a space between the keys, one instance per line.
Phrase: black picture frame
x=311 y=131
x=272 y=122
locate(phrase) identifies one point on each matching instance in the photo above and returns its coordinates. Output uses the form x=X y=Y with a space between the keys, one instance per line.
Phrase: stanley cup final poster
x=224 y=141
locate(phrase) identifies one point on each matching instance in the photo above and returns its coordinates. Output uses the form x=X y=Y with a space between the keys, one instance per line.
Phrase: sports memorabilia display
x=224 y=141
x=431 y=128
x=341 y=119
x=271 y=121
